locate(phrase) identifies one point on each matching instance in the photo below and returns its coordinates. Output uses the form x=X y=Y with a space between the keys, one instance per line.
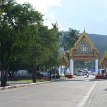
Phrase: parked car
x=94 y=73
x=80 y=73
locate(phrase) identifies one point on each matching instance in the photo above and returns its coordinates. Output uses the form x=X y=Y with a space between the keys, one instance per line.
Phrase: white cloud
x=42 y=6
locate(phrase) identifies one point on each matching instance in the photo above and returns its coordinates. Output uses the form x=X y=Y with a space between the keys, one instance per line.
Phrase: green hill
x=100 y=41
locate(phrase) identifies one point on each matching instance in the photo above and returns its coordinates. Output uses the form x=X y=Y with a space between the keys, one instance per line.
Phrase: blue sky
x=76 y=14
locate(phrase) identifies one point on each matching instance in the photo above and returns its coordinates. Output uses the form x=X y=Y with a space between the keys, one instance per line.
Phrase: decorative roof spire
x=84 y=32
x=84 y=29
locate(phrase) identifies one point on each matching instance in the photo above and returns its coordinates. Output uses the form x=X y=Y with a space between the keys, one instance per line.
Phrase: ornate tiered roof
x=103 y=60
x=84 y=49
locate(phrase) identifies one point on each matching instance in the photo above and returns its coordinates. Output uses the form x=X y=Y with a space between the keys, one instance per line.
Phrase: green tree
x=71 y=38
x=42 y=46
x=54 y=58
x=16 y=21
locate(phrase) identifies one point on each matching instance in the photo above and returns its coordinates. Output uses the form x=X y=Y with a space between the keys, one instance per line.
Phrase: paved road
x=98 y=97
x=66 y=93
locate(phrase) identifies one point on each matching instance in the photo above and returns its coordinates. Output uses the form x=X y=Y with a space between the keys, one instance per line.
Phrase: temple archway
x=83 y=50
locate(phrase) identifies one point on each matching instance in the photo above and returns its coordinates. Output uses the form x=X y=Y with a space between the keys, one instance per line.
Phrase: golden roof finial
x=84 y=32
x=84 y=29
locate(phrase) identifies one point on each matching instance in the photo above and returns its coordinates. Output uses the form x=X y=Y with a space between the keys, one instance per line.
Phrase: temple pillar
x=71 y=68
x=96 y=66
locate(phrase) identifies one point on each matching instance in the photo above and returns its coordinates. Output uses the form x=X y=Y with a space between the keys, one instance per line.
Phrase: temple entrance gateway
x=83 y=50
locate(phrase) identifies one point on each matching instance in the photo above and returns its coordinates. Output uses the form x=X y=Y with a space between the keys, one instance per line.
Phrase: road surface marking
x=84 y=99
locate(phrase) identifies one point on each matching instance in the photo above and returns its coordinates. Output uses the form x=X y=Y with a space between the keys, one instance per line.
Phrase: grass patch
x=41 y=80
x=29 y=81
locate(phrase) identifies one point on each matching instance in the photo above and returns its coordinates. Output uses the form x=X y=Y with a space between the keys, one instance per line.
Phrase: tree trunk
x=49 y=75
x=4 y=60
x=4 y=74
x=34 y=74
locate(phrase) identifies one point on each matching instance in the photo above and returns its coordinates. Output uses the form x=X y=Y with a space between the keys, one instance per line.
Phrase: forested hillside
x=100 y=41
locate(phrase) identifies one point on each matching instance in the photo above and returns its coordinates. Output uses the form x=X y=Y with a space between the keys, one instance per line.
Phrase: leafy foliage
x=68 y=38
x=24 y=39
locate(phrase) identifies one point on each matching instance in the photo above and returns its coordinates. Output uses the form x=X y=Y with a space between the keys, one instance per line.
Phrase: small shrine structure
x=103 y=61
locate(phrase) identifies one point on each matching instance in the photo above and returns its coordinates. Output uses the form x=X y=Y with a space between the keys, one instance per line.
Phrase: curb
x=23 y=85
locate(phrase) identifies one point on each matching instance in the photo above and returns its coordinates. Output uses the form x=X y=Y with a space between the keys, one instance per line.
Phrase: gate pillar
x=96 y=66
x=71 y=68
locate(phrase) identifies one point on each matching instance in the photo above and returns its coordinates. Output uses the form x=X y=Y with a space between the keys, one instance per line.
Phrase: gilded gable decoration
x=84 y=49
x=65 y=59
